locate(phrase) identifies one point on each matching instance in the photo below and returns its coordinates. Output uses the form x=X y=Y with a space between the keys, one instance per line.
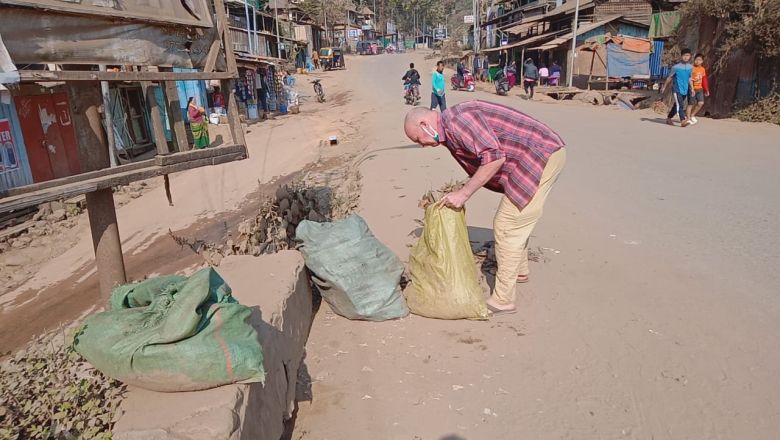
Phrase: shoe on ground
x=694 y=120
x=669 y=121
x=685 y=123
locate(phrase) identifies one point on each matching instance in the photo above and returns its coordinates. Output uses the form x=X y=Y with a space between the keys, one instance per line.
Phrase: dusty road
x=654 y=314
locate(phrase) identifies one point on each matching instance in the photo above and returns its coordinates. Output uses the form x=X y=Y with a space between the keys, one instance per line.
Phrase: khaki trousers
x=512 y=228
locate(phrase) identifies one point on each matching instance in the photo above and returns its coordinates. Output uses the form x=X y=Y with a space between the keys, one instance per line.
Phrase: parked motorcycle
x=318 y=90
x=466 y=84
x=412 y=94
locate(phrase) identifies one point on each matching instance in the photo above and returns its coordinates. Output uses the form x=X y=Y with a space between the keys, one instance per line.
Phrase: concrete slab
x=277 y=289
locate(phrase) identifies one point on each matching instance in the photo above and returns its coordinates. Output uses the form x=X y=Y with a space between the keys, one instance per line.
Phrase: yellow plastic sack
x=444 y=282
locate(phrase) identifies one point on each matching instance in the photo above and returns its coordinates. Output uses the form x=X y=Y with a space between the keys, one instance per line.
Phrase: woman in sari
x=198 y=124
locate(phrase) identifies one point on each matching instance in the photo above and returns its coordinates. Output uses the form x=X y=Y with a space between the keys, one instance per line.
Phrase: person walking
x=485 y=68
x=505 y=151
x=439 y=86
x=530 y=76
x=199 y=126
x=315 y=59
x=701 y=88
x=682 y=83
x=476 y=64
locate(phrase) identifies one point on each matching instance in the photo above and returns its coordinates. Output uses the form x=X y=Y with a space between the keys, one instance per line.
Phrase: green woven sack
x=174 y=333
x=356 y=274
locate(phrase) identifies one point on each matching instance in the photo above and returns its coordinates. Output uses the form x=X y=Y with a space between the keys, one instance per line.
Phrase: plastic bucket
x=251 y=111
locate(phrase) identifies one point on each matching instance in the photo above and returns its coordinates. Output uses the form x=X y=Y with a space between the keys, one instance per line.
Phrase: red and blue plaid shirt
x=479 y=132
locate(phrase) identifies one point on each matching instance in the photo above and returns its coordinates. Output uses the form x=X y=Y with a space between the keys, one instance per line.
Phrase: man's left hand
x=456 y=199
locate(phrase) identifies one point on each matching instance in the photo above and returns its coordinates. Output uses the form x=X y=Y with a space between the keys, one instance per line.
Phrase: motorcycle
x=318 y=90
x=412 y=94
x=504 y=81
x=466 y=84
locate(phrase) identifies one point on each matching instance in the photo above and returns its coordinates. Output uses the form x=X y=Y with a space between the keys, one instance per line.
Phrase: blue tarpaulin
x=622 y=63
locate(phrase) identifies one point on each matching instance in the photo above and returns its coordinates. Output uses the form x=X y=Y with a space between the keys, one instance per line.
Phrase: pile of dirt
x=766 y=109
x=48 y=391
x=318 y=196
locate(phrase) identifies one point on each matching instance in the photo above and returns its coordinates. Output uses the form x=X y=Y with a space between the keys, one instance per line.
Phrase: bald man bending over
x=505 y=151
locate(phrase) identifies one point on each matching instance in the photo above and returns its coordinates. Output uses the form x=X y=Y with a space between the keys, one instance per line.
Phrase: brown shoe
x=685 y=123
x=669 y=121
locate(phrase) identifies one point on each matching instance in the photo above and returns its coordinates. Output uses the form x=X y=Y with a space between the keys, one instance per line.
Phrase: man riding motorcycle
x=461 y=70
x=412 y=79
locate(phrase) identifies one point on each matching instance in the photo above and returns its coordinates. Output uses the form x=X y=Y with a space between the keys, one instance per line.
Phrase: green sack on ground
x=174 y=333
x=443 y=275
x=356 y=274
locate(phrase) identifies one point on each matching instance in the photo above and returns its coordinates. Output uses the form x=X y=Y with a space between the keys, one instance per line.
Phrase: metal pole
x=255 y=40
x=109 y=120
x=573 y=43
x=477 y=30
x=248 y=35
x=278 y=38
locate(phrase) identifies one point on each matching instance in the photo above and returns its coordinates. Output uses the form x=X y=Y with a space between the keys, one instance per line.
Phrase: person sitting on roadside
x=505 y=151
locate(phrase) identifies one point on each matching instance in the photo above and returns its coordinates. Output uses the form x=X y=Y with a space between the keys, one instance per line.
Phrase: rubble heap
x=316 y=196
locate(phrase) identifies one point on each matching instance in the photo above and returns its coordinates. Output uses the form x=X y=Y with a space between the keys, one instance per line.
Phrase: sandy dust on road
x=652 y=314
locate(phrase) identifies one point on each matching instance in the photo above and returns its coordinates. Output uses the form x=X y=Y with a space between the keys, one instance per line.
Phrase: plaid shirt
x=479 y=132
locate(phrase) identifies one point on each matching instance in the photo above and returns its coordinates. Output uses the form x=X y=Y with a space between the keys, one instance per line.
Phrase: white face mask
x=431 y=132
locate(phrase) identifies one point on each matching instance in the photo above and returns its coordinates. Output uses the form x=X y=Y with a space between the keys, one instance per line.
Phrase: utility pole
x=570 y=69
x=278 y=37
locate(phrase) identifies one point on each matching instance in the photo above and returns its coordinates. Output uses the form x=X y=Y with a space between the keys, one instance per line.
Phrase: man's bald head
x=422 y=127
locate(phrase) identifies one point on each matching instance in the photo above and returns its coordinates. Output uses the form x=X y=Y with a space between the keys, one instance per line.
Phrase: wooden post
x=592 y=60
x=105 y=240
x=522 y=64
x=175 y=116
x=158 y=131
x=154 y=111
x=85 y=100
x=236 y=128
x=606 y=68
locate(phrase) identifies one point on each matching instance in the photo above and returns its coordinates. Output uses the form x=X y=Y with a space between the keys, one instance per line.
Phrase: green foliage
x=47 y=391
x=752 y=25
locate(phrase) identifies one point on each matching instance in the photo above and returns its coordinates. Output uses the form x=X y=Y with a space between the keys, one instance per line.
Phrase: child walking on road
x=680 y=78
x=437 y=82
x=701 y=87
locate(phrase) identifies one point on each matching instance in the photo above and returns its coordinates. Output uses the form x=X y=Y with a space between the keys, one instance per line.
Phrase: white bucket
x=251 y=110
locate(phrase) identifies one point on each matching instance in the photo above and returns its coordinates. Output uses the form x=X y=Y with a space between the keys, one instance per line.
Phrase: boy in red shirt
x=701 y=87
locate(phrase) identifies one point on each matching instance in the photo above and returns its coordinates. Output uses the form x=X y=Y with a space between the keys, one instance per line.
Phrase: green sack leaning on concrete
x=356 y=274
x=172 y=334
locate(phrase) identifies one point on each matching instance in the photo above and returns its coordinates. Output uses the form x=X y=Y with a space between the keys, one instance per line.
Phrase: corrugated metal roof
x=560 y=10
x=525 y=42
x=20 y=174
x=188 y=12
x=581 y=30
